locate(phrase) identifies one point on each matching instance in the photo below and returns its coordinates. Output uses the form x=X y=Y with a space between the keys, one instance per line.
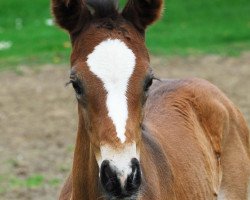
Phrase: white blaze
x=113 y=62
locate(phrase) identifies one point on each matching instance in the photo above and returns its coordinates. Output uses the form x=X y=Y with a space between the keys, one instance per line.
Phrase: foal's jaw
x=120 y=173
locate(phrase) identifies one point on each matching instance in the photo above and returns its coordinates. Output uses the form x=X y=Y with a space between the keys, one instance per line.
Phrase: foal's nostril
x=112 y=179
x=134 y=179
x=109 y=178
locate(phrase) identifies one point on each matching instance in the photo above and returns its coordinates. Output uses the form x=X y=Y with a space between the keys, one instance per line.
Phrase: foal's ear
x=70 y=14
x=142 y=12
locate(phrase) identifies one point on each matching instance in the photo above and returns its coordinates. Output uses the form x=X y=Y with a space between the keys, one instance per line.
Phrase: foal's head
x=111 y=75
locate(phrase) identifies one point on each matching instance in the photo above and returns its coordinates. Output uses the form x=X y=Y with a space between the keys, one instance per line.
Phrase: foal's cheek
x=83 y=102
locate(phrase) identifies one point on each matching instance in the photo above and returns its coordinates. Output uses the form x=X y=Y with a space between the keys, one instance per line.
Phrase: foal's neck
x=155 y=167
x=85 y=168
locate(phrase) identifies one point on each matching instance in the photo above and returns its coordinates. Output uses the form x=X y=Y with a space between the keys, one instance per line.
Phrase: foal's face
x=111 y=76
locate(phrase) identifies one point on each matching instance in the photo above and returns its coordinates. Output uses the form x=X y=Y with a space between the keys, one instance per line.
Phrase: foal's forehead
x=112 y=61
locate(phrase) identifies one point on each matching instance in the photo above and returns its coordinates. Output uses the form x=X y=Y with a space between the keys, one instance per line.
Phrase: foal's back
x=204 y=139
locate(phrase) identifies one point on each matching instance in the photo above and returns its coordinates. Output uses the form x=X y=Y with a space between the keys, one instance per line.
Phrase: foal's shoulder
x=200 y=94
x=188 y=86
x=200 y=98
x=193 y=95
x=191 y=90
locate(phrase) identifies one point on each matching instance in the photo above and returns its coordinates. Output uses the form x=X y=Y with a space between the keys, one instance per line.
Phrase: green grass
x=199 y=26
x=10 y=183
x=33 y=42
x=30 y=182
x=188 y=27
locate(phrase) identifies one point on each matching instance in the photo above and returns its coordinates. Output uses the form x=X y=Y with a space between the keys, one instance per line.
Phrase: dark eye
x=77 y=88
x=77 y=85
x=148 y=82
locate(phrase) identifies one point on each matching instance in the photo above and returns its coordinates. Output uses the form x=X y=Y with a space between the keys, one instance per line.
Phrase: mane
x=103 y=8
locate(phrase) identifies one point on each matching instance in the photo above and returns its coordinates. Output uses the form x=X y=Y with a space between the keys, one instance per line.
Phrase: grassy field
x=187 y=27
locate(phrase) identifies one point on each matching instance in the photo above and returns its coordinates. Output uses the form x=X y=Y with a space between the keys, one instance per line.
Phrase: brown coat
x=195 y=145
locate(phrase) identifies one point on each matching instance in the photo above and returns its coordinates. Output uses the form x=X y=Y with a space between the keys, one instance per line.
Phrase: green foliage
x=187 y=27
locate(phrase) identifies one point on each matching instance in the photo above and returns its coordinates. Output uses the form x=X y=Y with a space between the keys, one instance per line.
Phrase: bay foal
x=178 y=139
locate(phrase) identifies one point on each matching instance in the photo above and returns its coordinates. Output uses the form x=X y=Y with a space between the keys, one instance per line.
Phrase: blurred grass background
x=28 y=36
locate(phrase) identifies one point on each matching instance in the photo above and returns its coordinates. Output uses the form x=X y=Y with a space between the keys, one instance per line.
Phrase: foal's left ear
x=142 y=12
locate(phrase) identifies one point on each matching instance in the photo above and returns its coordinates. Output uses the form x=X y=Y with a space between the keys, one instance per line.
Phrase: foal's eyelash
x=72 y=80
x=68 y=83
x=156 y=78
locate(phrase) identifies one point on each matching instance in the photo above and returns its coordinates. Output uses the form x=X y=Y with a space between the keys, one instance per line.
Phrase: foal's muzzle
x=116 y=184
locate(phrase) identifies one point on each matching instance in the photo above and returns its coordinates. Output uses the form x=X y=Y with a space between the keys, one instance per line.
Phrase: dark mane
x=103 y=8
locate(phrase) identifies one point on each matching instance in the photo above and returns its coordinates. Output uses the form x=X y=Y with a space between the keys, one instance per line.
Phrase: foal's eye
x=148 y=82
x=77 y=87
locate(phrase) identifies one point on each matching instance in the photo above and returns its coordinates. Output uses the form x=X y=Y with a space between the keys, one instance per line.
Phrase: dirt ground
x=38 y=118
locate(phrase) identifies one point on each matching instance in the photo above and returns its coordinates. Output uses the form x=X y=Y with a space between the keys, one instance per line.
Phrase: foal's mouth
x=123 y=197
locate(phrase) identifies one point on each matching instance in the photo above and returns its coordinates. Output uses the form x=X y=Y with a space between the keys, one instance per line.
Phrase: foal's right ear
x=70 y=14
x=142 y=12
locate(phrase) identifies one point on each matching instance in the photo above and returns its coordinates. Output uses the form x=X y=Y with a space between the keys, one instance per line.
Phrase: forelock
x=103 y=8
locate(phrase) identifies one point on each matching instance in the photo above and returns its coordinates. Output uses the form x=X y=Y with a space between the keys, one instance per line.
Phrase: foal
x=178 y=139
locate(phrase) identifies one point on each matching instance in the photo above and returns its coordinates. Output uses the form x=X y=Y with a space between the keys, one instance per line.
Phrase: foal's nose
x=118 y=184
